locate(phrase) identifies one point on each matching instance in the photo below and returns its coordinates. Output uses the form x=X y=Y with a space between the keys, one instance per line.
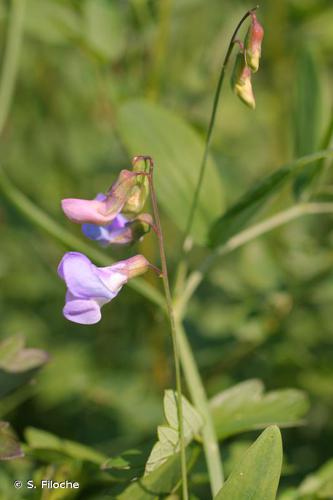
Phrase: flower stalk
x=211 y=125
x=165 y=277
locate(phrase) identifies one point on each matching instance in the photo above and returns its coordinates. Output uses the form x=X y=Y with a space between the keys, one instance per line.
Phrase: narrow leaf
x=42 y=440
x=257 y=475
x=307 y=100
x=236 y=217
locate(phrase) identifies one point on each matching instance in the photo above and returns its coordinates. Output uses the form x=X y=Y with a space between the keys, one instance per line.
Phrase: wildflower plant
x=122 y=216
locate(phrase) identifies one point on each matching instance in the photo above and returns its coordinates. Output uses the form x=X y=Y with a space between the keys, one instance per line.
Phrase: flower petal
x=83 y=278
x=91 y=211
x=112 y=233
x=85 y=312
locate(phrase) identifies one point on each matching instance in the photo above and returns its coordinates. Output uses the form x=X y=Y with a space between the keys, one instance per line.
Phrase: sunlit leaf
x=168 y=437
x=257 y=474
x=15 y=358
x=192 y=420
x=245 y=407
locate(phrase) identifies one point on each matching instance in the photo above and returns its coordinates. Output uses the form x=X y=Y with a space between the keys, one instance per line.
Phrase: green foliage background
x=263 y=312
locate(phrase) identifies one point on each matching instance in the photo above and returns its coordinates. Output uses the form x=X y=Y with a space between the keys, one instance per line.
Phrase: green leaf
x=9 y=347
x=236 y=217
x=159 y=482
x=42 y=440
x=192 y=420
x=104 y=31
x=51 y=22
x=176 y=148
x=9 y=445
x=245 y=407
x=14 y=358
x=306 y=113
x=319 y=483
x=257 y=475
x=168 y=437
x=307 y=103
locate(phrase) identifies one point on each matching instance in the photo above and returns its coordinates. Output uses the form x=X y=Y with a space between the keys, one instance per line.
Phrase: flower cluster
x=111 y=218
x=247 y=62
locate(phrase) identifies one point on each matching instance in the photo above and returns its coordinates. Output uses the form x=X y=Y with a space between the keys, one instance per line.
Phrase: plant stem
x=212 y=123
x=199 y=398
x=11 y=58
x=166 y=284
x=244 y=237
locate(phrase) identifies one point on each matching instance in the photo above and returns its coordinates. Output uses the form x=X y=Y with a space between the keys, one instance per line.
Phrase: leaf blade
x=245 y=407
x=257 y=475
x=249 y=204
x=176 y=149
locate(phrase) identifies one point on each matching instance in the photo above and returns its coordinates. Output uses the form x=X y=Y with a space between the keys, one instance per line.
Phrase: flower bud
x=241 y=81
x=121 y=190
x=253 y=42
x=139 y=193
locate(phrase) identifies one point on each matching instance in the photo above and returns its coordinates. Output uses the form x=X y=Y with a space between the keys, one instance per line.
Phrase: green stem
x=11 y=58
x=166 y=284
x=199 y=398
x=244 y=237
x=211 y=125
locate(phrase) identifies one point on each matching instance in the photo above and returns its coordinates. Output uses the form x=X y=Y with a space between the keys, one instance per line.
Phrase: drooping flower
x=90 y=287
x=121 y=231
x=253 y=43
x=241 y=81
x=104 y=208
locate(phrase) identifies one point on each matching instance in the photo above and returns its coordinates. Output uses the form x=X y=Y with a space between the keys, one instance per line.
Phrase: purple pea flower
x=121 y=231
x=90 y=287
x=116 y=232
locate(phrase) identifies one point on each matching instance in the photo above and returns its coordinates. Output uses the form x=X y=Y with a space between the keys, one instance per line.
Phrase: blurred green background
x=264 y=312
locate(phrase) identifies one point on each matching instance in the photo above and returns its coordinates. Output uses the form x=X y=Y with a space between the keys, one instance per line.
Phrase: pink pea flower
x=104 y=208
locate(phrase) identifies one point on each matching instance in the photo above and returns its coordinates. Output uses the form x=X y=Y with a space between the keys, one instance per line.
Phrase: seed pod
x=253 y=43
x=241 y=81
